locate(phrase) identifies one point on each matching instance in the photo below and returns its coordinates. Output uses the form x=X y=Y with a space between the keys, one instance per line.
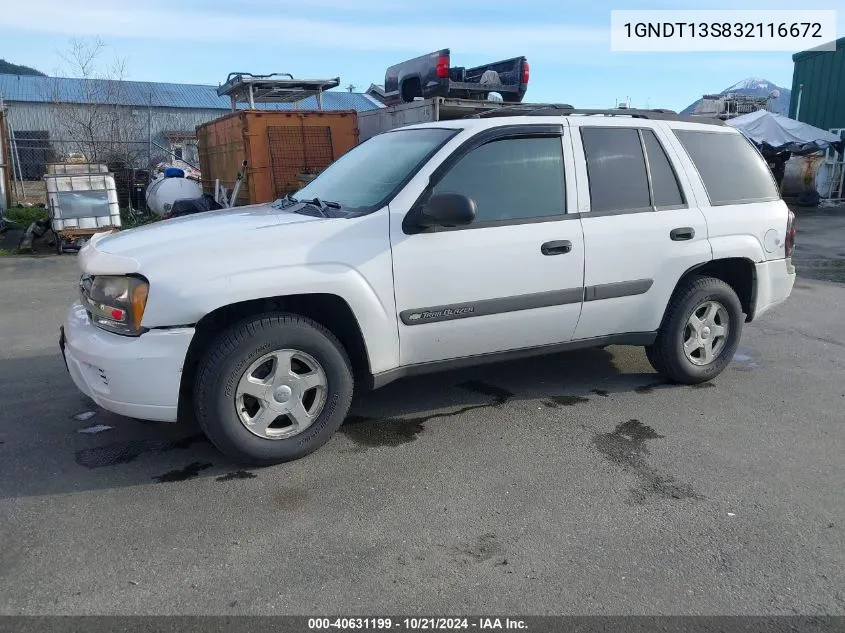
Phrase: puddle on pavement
x=126 y=452
x=650 y=387
x=626 y=447
x=500 y=396
x=290 y=498
x=372 y=432
x=182 y=474
x=240 y=474
x=555 y=402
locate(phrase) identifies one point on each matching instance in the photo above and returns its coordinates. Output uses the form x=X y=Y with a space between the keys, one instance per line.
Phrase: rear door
x=642 y=228
x=738 y=195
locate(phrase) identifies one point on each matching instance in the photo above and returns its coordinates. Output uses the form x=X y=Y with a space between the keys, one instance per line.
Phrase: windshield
x=370 y=173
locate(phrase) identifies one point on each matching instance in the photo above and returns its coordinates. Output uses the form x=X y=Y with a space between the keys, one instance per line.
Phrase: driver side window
x=511 y=180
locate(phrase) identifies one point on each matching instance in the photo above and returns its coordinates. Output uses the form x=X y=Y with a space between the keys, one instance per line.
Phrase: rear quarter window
x=732 y=170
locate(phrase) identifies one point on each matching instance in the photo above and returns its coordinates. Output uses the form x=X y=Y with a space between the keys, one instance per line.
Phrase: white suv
x=431 y=247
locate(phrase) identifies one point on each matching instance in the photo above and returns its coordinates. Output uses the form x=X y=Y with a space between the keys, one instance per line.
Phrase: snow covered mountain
x=756 y=87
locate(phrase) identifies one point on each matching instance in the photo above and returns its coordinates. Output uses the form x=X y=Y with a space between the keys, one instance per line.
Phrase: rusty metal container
x=282 y=149
x=800 y=174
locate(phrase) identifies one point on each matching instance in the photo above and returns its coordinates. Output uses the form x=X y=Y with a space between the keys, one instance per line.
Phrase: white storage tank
x=162 y=193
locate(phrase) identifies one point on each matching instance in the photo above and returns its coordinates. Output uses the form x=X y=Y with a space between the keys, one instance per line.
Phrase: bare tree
x=93 y=114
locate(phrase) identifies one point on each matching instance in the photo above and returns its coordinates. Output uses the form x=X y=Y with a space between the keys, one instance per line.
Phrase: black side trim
x=617 y=289
x=450 y=312
x=600 y=214
x=496 y=223
x=629 y=338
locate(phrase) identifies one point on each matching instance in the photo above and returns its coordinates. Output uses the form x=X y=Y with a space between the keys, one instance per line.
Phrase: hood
x=120 y=252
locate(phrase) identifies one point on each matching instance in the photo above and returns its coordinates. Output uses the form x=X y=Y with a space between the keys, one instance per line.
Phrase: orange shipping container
x=282 y=148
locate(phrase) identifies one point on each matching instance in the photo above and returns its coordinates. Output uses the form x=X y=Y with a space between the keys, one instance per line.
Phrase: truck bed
x=432 y=75
x=374 y=122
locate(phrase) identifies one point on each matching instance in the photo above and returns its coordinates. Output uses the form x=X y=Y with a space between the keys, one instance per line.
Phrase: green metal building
x=818 y=87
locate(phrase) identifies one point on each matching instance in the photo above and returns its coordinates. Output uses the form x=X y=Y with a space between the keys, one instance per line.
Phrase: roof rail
x=517 y=109
x=659 y=114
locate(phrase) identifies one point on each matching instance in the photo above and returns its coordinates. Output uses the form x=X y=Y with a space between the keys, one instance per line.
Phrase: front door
x=513 y=278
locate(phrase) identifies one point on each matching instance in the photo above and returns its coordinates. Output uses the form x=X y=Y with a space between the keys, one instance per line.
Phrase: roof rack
x=252 y=89
x=564 y=109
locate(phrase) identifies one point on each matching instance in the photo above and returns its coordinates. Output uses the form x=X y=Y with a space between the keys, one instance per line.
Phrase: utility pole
x=150 y=139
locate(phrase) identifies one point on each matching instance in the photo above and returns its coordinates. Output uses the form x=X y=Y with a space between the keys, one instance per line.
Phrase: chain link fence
x=132 y=162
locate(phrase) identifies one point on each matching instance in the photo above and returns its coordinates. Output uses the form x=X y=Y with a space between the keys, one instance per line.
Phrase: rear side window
x=664 y=182
x=731 y=169
x=615 y=168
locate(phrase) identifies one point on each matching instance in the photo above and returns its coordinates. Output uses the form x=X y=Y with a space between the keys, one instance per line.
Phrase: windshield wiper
x=287 y=201
x=321 y=205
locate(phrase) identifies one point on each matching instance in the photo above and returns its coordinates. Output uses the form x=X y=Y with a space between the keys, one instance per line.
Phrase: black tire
x=667 y=354
x=235 y=350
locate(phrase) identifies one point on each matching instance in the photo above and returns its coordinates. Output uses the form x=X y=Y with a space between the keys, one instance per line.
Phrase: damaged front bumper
x=138 y=377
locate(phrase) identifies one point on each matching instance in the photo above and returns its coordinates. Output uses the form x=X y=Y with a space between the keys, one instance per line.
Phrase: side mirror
x=447 y=209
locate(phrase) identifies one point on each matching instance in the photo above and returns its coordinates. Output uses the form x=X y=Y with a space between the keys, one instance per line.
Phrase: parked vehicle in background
x=432 y=75
x=381 y=120
x=432 y=247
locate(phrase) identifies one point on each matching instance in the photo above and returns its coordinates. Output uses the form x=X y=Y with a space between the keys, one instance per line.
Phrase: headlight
x=115 y=303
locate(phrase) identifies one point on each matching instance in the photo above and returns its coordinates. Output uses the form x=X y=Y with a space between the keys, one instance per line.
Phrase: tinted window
x=616 y=169
x=369 y=173
x=511 y=179
x=730 y=167
x=664 y=184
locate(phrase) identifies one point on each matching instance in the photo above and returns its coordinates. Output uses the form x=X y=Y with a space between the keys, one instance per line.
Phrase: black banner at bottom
x=532 y=624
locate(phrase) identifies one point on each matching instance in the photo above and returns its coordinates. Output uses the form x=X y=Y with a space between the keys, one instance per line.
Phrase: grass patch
x=24 y=216
x=130 y=221
x=5 y=252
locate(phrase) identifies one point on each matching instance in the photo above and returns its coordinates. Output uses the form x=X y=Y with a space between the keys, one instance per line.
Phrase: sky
x=566 y=43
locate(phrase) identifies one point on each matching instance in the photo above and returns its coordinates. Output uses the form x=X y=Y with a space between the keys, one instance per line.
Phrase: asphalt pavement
x=580 y=483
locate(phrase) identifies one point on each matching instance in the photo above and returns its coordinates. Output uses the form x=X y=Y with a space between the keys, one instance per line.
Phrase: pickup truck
x=432 y=75
x=432 y=247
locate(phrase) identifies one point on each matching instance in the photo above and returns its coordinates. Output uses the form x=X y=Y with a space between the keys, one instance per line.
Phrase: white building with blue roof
x=49 y=115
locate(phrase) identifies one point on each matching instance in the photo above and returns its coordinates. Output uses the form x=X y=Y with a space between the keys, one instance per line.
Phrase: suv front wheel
x=700 y=332
x=273 y=388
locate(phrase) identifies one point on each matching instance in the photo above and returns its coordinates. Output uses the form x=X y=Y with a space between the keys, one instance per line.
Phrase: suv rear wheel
x=700 y=332
x=273 y=388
